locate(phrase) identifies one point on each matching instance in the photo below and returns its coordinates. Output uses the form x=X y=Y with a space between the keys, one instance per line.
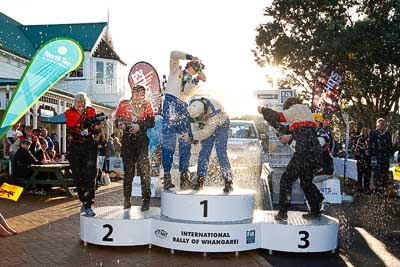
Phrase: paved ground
x=49 y=236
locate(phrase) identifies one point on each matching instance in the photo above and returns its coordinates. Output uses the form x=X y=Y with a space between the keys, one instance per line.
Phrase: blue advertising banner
x=51 y=62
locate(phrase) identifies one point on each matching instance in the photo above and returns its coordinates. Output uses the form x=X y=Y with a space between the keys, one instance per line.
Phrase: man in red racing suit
x=83 y=150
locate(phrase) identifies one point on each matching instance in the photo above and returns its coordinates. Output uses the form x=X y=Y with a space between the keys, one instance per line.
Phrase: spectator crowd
x=26 y=146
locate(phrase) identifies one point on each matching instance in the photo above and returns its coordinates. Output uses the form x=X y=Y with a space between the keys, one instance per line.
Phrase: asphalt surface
x=369 y=235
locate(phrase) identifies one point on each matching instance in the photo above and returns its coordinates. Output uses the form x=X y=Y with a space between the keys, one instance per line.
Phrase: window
x=99 y=72
x=77 y=73
x=109 y=73
x=242 y=130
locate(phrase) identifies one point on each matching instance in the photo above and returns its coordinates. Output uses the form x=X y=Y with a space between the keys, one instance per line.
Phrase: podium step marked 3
x=114 y=226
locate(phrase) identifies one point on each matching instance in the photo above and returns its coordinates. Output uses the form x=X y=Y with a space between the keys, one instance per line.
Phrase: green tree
x=359 y=37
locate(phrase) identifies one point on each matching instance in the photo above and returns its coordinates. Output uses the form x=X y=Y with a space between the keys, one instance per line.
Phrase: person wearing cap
x=23 y=160
x=380 y=149
x=83 y=149
x=297 y=123
x=327 y=143
x=210 y=125
x=135 y=116
x=363 y=160
x=181 y=85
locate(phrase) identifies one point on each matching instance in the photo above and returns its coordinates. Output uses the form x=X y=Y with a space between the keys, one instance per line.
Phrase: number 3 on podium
x=304 y=237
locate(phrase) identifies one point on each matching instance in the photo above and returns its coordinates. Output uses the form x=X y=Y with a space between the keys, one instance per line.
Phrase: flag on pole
x=144 y=74
x=51 y=62
x=326 y=91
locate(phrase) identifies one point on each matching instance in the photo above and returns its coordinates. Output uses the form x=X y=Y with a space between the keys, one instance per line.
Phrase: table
x=351 y=168
x=60 y=170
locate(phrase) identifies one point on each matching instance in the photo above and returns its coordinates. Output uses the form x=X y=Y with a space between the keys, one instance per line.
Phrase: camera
x=197 y=66
x=97 y=119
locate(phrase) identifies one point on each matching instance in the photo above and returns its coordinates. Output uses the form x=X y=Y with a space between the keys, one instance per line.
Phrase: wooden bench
x=61 y=176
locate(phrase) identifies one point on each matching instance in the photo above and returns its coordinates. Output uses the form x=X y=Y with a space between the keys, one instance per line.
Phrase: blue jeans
x=175 y=121
x=220 y=138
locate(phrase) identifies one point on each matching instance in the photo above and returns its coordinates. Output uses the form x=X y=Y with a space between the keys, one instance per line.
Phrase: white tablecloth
x=351 y=168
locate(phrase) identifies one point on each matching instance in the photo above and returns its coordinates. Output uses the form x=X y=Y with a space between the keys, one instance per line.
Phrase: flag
x=326 y=91
x=51 y=62
x=143 y=73
x=11 y=192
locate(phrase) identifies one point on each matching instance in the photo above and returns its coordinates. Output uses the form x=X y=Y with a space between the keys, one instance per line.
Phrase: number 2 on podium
x=107 y=236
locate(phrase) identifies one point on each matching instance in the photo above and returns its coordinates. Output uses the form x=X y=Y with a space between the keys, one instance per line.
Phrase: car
x=244 y=150
x=244 y=147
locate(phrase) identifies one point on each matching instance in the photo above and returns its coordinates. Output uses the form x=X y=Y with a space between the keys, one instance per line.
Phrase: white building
x=101 y=76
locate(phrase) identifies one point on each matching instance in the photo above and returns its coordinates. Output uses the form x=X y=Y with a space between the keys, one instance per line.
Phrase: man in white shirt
x=181 y=85
x=11 y=136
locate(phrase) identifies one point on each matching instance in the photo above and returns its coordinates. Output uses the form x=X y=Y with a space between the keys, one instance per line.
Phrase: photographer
x=135 y=116
x=83 y=124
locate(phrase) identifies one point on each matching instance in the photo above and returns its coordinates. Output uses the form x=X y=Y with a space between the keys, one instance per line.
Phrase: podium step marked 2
x=114 y=226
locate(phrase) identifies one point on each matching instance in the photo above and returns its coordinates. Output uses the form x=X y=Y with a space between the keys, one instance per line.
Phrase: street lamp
x=346 y=148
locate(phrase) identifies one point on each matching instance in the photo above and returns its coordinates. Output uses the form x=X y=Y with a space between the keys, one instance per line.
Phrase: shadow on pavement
x=285 y=259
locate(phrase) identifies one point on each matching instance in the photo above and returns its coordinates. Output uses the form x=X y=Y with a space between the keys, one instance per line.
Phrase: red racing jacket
x=76 y=123
x=129 y=112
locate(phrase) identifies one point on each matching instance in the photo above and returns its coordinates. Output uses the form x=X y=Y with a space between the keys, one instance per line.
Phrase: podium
x=208 y=221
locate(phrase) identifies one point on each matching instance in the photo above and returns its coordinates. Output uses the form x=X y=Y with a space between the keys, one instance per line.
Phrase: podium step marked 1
x=207 y=232
x=208 y=205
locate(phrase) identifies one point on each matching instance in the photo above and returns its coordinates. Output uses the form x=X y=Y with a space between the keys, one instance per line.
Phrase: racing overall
x=83 y=153
x=212 y=128
x=180 y=86
x=306 y=160
x=135 y=146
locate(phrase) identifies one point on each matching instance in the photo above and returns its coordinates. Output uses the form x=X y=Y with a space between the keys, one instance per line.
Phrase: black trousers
x=135 y=156
x=363 y=173
x=83 y=161
x=304 y=168
x=381 y=173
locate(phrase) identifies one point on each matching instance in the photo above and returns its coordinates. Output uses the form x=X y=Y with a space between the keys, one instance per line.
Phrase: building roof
x=86 y=34
x=8 y=81
x=12 y=39
x=24 y=40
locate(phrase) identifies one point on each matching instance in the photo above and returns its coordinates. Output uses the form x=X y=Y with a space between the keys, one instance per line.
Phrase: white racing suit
x=212 y=129
x=180 y=86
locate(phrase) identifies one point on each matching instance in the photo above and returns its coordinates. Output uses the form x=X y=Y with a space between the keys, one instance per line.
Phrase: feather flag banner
x=51 y=62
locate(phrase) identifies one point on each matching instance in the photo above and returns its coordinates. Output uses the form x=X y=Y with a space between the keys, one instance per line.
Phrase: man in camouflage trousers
x=135 y=116
x=305 y=162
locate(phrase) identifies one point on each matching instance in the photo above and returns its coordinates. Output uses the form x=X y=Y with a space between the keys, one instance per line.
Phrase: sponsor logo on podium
x=250 y=236
x=161 y=233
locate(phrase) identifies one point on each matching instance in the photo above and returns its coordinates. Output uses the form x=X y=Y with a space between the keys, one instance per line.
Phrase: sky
x=221 y=33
